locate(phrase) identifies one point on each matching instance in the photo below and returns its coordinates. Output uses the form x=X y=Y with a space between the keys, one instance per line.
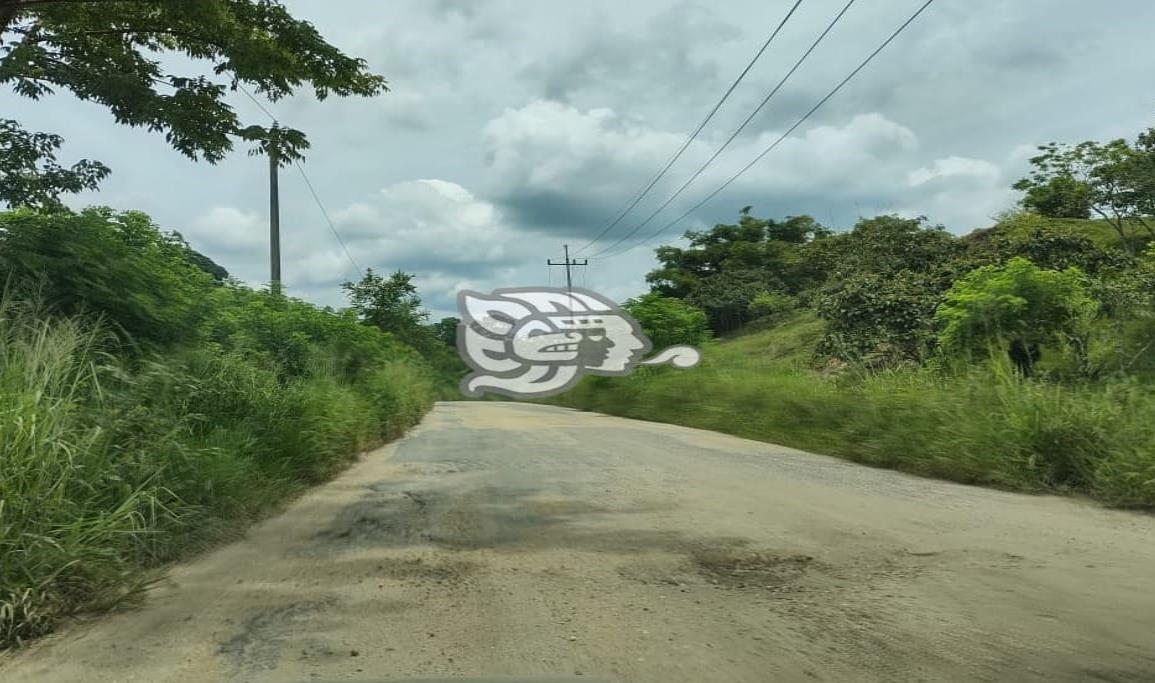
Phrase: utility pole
x=568 y=263
x=274 y=216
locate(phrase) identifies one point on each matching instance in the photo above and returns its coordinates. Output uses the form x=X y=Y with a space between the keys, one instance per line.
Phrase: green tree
x=668 y=321
x=889 y=244
x=1018 y=308
x=446 y=330
x=391 y=304
x=1048 y=244
x=769 y=305
x=753 y=244
x=29 y=174
x=1059 y=196
x=883 y=280
x=116 y=53
x=1114 y=180
x=885 y=318
x=726 y=297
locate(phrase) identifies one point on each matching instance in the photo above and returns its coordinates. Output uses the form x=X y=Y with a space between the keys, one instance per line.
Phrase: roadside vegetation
x=148 y=408
x=1020 y=356
x=150 y=405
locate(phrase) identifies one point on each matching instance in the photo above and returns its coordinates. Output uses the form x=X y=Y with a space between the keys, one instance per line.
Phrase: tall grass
x=64 y=533
x=107 y=469
x=985 y=425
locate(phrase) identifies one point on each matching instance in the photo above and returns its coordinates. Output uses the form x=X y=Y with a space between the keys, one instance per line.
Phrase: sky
x=512 y=128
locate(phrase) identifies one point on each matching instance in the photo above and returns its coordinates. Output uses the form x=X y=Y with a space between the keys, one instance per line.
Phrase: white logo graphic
x=536 y=341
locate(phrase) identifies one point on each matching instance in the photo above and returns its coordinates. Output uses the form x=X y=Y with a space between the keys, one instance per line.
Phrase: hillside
x=1097 y=230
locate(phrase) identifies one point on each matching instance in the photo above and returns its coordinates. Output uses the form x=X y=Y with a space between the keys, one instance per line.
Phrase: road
x=512 y=539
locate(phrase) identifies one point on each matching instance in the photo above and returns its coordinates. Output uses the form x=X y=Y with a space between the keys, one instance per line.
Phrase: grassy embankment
x=988 y=426
x=147 y=411
x=109 y=470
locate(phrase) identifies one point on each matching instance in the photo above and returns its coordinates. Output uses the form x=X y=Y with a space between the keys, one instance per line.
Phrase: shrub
x=667 y=321
x=118 y=265
x=1016 y=309
x=771 y=305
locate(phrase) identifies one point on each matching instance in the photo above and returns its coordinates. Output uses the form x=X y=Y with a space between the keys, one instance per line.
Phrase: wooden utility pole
x=274 y=219
x=569 y=264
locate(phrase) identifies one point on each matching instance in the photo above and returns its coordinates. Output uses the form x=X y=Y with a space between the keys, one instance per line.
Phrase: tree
x=29 y=174
x=771 y=305
x=887 y=317
x=1017 y=307
x=1113 y=180
x=115 y=53
x=391 y=304
x=1061 y=196
x=726 y=297
x=889 y=244
x=446 y=330
x=667 y=321
x=751 y=244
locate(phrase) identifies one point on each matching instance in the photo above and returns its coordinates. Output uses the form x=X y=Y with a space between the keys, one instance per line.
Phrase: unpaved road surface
x=510 y=539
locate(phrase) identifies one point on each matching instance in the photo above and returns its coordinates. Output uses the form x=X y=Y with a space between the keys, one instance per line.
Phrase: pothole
x=739 y=567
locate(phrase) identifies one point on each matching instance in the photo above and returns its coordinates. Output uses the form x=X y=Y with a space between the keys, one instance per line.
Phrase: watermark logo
x=531 y=342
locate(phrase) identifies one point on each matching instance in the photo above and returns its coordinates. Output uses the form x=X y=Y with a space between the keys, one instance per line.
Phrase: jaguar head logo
x=535 y=342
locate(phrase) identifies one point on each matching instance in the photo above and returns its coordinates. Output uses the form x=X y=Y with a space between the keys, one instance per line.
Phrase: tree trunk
x=1119 y=228
x=1024 y=355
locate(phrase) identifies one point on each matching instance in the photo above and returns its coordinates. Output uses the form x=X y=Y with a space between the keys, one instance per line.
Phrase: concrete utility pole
x=568 y=263
x=274 y=219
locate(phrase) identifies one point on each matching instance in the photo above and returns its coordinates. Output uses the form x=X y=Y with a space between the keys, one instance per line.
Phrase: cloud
x=952 y=171
x=228 y=228
x=560 y=170
x=604 y=57
x=429 y=223
x=434 y=228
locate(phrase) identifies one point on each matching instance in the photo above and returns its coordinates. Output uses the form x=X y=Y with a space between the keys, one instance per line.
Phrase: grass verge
x=987 y=426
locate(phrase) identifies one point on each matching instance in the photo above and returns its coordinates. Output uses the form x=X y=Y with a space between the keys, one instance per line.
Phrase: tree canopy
x=119 y=53
x=1113 y=180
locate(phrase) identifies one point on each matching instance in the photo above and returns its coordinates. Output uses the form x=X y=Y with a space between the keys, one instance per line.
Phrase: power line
x=790 y=130
x=329 y=221
x=653 y=181
x=256 y=102
x=718 y=152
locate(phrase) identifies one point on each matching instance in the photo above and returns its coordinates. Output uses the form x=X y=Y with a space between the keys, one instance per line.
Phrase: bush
x=143 y=283
x=1015 y=309
x=667 y=321
x=866 y=313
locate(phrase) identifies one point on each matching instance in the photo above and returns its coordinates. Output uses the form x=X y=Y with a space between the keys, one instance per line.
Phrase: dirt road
x=511 y=539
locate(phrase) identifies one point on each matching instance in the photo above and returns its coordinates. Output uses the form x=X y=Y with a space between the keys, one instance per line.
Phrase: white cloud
x=434 y=228
x=547 y=145
x=430 y=220
x=953 y=171
x=229 y=228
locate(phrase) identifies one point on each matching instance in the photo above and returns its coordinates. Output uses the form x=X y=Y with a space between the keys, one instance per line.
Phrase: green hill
x=1097 y=230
